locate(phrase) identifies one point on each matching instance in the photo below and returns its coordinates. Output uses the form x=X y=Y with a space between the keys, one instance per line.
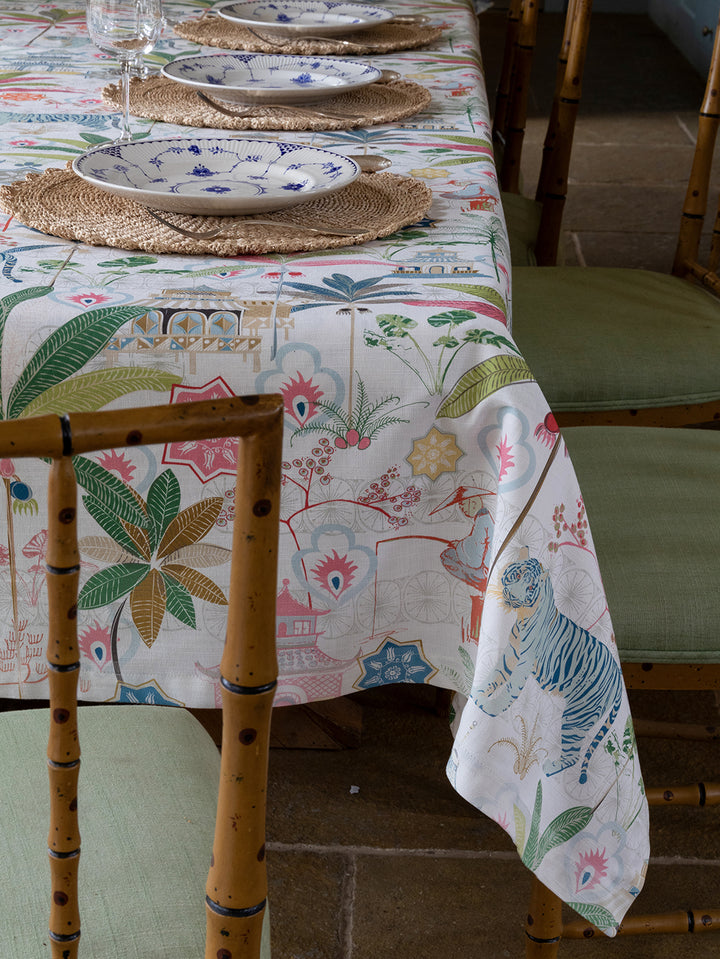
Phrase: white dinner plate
x=270 y=78
x=296 y=17
x=215 y=175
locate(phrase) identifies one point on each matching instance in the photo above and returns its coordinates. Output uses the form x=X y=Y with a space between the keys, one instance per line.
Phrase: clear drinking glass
x=125 y=29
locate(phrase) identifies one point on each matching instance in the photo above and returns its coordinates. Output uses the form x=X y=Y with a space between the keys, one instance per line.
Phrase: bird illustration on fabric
x=466 y=558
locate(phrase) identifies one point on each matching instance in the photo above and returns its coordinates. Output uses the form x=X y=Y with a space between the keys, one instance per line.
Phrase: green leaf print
x=163 y=503
x=597 y=915
x=65 y=351
x=519 y=829
x=179 y=601
x=110 y=584
x=563 y=827
x=112 y=525
x=451 y=318
x=114 y=495
x=482 y=292
x=529 y=854
x=392 y=324
x=90 y=391
x=482 y=381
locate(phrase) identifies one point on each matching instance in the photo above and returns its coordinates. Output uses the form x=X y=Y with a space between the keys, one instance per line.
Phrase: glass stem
x=125 y=133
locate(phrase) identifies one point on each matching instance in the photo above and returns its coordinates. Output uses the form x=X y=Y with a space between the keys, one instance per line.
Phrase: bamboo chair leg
x=556 y=163
x=236 y=889
x=552 y=132
x=696 y=198
x=517 y=116
x=63 y=573
x=502 y=97
x=544 y=927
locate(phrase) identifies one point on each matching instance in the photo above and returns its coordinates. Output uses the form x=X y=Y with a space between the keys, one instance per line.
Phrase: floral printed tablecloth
x=432 y=530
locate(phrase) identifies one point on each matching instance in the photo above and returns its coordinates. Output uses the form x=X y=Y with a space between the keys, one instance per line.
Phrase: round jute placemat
x=159 y=98
x=60 y=203
x=215 y=31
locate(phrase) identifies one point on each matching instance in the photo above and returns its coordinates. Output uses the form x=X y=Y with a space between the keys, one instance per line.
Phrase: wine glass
x=124 y=28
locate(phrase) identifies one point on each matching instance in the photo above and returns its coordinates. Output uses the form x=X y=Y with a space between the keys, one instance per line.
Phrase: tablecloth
x=433 y=530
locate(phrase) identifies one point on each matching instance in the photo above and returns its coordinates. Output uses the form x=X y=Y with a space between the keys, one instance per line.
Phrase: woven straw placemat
x=60 y=203
x=215 y=31
x=161 y=99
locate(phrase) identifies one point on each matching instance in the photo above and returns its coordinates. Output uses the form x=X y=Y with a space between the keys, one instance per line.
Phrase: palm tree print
x=152 y=549
x=342 y=289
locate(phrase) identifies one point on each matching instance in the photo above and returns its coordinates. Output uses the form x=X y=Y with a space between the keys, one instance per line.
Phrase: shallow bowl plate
x=296 y=17
x=215 y=175
x=270 y=78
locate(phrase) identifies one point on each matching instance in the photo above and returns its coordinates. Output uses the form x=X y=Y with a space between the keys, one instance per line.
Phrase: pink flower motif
x=118 y=463
x=95 y=643
x=300 y=399
x=209 y=458
x=504 y=450
x=88 y=299
x=335 y=573
x=352 y=438
x=590 y=869
x=7 y=469
x=547 y=431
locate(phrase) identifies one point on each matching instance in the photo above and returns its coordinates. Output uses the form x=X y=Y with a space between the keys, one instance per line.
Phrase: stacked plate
x=293 y=19
x=215 y=176
x=258 y=78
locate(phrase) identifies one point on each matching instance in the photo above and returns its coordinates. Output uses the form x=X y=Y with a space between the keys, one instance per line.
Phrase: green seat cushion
x=146 y=799
x=615 y=339
x=653 y=504
x=522 y=217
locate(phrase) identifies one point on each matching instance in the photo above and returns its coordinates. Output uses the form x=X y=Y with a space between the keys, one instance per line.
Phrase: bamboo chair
x=653 y=504
x=148 y=824
x=534 y=225
x=632 y=347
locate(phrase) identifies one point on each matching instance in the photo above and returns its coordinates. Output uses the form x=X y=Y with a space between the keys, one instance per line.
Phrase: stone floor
x=371 y=851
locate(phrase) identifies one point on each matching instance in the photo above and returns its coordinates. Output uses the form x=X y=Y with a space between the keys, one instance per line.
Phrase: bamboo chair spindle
x=535 y=224
x=237 y=883
x=502 y=96
x=696 y=197
x=519 y=91
x=63 y=656
x=551 y=133
x=555 y=169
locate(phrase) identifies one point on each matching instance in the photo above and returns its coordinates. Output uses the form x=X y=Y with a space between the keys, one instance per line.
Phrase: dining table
x=432 y=528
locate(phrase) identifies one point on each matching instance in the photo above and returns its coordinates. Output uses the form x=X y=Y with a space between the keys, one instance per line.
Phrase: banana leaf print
x=48 y=384
x=563 y=827
x=153 y=549
x=597 y=915
x=64 y=352
x=497 y=305
x=482 y=381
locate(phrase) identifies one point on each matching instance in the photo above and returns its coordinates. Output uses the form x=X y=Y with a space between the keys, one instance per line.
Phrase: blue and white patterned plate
x=270 y=78
x=215 y=175
x=296 y=17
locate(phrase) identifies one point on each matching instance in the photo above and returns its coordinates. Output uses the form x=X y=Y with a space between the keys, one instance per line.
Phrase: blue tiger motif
x=563 y=657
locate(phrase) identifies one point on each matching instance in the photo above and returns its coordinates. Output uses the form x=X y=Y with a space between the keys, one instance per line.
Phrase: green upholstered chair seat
x=146 y=798
x=522 y=217
x=614 y=339
x=653 y=503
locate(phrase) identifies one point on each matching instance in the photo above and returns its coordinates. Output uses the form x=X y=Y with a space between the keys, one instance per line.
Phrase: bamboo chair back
x=551 y=189
x=687 y=255
x=237 y=886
